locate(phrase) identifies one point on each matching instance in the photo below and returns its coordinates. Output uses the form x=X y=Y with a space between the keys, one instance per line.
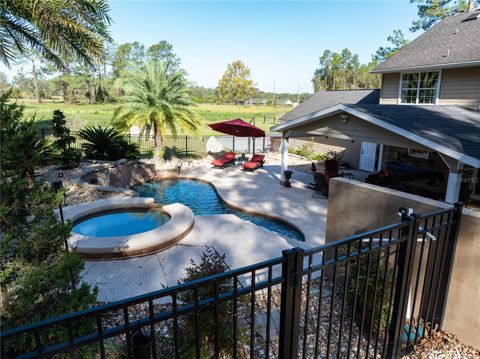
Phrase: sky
x=279 y=41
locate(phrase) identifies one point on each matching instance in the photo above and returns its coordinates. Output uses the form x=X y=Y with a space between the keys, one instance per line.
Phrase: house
x=283 y=102
x=424 y=122
x=256 y=101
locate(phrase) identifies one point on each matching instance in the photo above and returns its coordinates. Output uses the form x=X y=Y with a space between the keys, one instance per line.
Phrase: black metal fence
x=181 y=144
x=373 y=294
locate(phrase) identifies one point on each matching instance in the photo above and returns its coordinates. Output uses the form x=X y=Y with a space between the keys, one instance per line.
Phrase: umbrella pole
x=253 y=152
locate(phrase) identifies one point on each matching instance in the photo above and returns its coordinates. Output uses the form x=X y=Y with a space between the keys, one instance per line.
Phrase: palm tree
x=57 y=29
x=157 y=97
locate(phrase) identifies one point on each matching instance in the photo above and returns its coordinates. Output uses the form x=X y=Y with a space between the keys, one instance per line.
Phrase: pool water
x=203 y=200
x=122 y=223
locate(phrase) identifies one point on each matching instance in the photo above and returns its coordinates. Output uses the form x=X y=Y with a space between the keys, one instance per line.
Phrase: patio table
x=241 y=159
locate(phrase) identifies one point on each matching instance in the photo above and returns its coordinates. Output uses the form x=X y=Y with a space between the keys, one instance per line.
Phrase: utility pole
x=298 y=92
x=273 y=102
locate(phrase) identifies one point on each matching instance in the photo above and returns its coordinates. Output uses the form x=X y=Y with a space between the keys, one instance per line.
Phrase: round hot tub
x=126 y=227
x=120 y=222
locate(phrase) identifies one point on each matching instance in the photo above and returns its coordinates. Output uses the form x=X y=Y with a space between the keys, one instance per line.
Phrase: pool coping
x=106 y=248
x=246 y=209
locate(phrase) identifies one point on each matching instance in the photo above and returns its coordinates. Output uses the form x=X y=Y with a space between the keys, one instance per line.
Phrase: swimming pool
x=203 y=200
x=120 y=223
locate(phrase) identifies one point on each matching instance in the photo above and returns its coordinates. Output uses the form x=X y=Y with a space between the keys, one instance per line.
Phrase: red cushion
x=230 y=156
x=257 y=158
x=219 y=163
x=251 y=165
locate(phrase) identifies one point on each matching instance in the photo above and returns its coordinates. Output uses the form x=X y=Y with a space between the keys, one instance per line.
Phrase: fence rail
x=182 y=145
x=373 y=294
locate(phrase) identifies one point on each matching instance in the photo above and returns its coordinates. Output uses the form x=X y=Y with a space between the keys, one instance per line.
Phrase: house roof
x=325 y=99
x=451 y=130
x=453 y=42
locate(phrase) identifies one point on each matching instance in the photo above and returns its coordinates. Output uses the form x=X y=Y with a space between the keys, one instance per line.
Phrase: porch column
x=453 y=184
x=380 y=157
x=284 y=160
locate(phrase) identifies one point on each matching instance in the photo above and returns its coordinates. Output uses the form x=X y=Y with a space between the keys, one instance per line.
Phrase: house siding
x=460 y=87
x=389 y=94
x=457 y=87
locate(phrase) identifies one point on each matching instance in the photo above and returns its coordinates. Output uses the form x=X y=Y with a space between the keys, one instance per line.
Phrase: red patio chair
x=255 y=162
x=227 y=159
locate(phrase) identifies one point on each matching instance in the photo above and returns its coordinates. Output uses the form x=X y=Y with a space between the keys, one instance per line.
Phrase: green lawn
x=83 y=114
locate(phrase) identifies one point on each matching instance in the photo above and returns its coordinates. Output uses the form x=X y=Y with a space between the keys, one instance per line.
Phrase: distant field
x=81 y=115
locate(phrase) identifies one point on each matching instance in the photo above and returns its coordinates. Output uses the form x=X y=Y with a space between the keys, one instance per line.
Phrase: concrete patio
x=242 y=242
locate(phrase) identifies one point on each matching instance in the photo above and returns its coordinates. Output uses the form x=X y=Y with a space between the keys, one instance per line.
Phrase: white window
x=419 y=88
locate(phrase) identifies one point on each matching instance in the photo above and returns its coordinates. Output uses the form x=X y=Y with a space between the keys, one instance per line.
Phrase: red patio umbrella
x=238 y=128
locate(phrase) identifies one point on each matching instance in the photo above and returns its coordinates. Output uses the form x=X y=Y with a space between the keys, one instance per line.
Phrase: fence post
x=186 y=145
x=446 y=269
x=405 y=261
x=291 y=297
x=43 y=134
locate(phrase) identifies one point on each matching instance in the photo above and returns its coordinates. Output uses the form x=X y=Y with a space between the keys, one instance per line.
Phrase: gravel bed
x=79 y=194
x=50 y=173
x=442 y=345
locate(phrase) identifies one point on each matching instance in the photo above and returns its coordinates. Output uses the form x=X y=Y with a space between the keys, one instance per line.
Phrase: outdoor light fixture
x=344 y=117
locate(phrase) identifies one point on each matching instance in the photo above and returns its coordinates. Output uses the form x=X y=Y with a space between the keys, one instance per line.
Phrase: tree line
x=343 y=70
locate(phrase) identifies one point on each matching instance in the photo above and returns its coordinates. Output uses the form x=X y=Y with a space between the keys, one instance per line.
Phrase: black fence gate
x=373 y=294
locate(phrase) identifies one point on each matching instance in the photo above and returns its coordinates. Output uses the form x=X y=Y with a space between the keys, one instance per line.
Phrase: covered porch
x=405 y=149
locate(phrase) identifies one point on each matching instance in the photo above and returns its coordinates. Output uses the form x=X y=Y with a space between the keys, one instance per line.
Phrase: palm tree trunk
x=157 y=140
x=64 y=91
x=35 y=83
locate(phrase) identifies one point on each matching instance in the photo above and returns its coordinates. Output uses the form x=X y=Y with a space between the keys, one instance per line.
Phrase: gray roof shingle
x=453 y=127
x=451 y=41
x=324 y=99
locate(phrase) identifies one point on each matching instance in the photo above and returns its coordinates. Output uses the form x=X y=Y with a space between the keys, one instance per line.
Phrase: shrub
x=107 y=144
x=364 y=295
x=211 y=263
x=307 y=152
x=69 y=156
x=169 y=152
x=38 y=278
x=22 y=149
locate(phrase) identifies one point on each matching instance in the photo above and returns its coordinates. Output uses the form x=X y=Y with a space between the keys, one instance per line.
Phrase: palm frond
x=59 y=30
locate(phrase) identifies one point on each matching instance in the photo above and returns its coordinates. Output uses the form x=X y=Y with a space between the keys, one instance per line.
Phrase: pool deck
x=123 y=278
x=260 y=192
x=243 y=242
